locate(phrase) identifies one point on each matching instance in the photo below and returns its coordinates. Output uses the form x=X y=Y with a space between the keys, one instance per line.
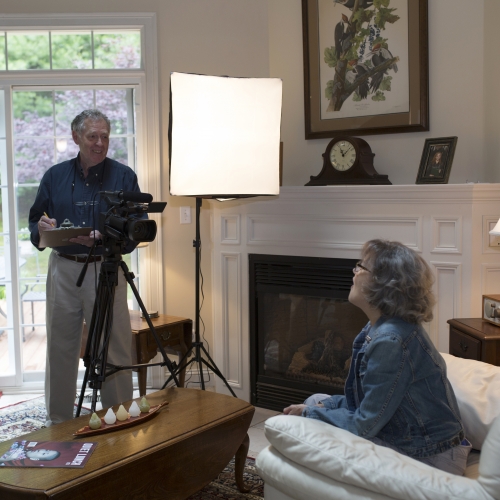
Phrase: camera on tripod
x=123 y=219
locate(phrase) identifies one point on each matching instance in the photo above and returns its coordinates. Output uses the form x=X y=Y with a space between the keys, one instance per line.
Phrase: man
x=70 y=190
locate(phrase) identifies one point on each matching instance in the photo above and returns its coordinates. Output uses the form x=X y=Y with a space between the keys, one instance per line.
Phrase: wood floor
x=34 y=345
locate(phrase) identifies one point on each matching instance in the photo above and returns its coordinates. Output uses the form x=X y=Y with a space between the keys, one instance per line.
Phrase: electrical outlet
x=185 y=215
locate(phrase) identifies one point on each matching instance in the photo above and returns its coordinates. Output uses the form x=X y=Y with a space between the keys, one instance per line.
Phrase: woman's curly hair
x=400 y=283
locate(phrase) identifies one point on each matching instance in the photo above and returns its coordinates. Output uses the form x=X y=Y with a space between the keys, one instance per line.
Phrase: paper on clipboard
x=60 y=237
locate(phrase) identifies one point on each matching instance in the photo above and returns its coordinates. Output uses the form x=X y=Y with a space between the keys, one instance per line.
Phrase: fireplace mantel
x=447 y=224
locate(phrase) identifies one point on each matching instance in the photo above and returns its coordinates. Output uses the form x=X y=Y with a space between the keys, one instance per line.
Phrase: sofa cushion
x=477 y=388
x=489 y=470
x=350 y=459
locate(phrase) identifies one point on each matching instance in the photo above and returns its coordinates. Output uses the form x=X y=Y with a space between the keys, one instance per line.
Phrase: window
x=47 y=76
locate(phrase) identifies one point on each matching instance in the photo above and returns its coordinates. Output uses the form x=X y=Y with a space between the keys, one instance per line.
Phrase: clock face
x=342 y=155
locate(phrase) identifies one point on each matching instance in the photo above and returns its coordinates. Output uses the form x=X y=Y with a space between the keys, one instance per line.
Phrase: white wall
x=457 y=77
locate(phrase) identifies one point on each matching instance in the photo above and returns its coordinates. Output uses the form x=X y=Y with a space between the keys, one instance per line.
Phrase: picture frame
x=436 y=161
x=404 y=107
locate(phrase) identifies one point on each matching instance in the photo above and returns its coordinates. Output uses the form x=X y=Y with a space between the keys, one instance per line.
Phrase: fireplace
x=301 y=327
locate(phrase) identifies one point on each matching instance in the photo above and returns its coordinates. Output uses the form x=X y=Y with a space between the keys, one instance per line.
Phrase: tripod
x=96 y=350
x=197 y=347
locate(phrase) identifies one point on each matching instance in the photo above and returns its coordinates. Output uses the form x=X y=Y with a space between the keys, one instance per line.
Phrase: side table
x=175 y=334
x=474 y=338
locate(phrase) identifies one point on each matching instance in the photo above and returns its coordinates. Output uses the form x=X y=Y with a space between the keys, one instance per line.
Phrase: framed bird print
x=365 y=67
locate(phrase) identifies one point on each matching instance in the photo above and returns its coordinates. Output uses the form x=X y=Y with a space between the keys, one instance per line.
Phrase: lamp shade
x=224 y=135
x=496 y=230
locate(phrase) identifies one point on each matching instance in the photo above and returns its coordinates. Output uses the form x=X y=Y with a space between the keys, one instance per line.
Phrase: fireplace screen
x=301 y=327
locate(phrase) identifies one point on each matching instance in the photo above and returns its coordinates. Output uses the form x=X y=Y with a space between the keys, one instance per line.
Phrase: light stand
x=224 y=143
x=198 y=347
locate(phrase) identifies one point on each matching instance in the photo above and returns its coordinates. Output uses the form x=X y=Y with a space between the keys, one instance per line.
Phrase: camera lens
x=142 y=230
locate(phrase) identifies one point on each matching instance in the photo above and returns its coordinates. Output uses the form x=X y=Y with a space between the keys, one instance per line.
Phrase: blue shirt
x=64 y=193
x=397 y=391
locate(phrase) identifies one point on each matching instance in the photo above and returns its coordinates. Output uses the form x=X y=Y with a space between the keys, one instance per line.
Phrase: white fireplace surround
x=447 y=224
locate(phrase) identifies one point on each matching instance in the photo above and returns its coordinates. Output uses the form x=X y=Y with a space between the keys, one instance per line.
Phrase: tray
x=87 y=431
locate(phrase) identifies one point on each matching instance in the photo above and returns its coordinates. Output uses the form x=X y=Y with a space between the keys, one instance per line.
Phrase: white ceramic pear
x=110 y=417
x=122 y=414
x=134 y=409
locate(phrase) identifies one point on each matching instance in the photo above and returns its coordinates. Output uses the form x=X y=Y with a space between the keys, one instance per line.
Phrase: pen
x=45 y=213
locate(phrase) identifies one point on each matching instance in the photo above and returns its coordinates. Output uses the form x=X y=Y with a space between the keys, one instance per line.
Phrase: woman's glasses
x=359 y=266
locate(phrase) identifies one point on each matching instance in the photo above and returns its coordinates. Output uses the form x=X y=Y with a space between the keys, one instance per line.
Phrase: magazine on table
x=73 y=454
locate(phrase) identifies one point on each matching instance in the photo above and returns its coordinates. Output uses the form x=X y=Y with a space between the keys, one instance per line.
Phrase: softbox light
x=224 y=136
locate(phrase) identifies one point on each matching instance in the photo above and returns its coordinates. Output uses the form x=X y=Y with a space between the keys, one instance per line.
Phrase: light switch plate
x=185 y=215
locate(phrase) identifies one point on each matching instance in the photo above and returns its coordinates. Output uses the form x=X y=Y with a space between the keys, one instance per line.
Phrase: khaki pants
x=67 y=307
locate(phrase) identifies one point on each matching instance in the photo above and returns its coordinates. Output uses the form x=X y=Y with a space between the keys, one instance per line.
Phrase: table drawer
x=464 y=346
x=169 y=335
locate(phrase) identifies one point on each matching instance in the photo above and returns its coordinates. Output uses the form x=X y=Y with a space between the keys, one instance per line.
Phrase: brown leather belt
x=77 y=258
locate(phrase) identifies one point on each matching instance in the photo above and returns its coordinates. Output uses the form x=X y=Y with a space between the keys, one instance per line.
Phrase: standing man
x=70 y=190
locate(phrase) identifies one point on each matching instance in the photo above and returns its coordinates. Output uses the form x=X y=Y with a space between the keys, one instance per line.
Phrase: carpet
x=25 y=417
x=29 y=416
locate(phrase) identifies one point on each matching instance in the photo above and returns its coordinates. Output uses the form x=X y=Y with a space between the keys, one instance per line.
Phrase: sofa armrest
x=350 y=459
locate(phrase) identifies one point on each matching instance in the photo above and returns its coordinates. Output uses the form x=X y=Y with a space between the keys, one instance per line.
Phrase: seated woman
x=396 y=393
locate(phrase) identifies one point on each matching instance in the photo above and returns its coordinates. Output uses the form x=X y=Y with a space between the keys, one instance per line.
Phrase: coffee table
x=171 y=455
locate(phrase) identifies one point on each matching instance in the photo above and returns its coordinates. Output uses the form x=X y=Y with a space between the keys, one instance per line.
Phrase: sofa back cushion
x=477 y=388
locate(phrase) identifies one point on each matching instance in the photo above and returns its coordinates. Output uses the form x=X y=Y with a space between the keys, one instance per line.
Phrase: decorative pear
x=95 y=421
x=134 y=409
x=110 y=417
x=122 y=413
x=144 y=405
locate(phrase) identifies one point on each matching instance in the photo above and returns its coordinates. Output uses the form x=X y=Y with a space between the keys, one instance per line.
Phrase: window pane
x=33 y=114
x=117 y=49
x=118 y=149
x=70 y=103
x=28 y=51
x=71 y=50
x=33 y=157
x=115 y=104
x=65 y=149
x=25 y=198
x=2 y=52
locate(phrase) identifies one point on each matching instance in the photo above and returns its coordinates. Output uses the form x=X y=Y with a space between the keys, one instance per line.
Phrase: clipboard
x=59 y=237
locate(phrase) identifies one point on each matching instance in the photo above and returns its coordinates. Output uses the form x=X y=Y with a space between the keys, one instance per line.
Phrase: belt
x=77 y=258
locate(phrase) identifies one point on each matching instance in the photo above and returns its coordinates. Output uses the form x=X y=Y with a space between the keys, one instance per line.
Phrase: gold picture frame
x=411 y=116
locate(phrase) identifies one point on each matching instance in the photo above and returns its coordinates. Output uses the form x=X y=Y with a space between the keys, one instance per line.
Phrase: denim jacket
x=397 y=391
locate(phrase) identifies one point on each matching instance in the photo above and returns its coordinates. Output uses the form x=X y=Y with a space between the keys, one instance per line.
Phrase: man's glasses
x=359 y=266
x=85 y=203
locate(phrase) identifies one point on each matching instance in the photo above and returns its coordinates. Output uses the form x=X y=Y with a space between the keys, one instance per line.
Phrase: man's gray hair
x=78 y=124
x=400 y=282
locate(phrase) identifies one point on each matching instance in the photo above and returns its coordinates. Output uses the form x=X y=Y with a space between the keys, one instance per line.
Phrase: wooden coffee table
x=172 y=455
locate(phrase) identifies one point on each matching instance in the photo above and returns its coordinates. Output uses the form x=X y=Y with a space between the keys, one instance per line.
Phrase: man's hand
x=89 y=240
x=294 y=410
x=45 y=223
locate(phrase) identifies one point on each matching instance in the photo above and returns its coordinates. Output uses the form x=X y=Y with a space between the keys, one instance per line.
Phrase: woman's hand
x=294 y=410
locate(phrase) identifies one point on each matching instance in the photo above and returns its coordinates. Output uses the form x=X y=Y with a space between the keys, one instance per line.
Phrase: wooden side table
x=473 y=338
x=175 y=334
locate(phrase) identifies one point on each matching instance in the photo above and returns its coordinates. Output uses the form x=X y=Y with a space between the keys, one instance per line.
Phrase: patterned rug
x=25 y=417
x=29 y=416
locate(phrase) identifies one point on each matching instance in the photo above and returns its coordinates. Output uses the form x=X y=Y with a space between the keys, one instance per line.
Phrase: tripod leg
x=212 y=366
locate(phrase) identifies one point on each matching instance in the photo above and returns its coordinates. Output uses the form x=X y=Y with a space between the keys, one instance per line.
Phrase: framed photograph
x=366 y=67
x=436 y=161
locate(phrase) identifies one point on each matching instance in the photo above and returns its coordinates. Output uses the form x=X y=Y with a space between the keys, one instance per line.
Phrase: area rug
x=25 y=417
x=29 y=416
x=224 y=487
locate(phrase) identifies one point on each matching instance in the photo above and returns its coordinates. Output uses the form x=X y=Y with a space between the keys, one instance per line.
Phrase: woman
x=396 y=393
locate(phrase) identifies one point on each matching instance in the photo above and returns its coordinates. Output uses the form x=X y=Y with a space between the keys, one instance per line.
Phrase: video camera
x=123 y=218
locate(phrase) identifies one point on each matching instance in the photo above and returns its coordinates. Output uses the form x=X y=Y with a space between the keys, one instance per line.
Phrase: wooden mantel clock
x=348 y=161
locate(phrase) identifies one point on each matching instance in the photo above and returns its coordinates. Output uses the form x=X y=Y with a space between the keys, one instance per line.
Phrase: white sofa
x=312 y=460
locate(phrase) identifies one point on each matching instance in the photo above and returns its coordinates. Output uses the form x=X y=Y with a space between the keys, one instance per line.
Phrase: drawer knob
x=463 y=346
x=165 y=335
